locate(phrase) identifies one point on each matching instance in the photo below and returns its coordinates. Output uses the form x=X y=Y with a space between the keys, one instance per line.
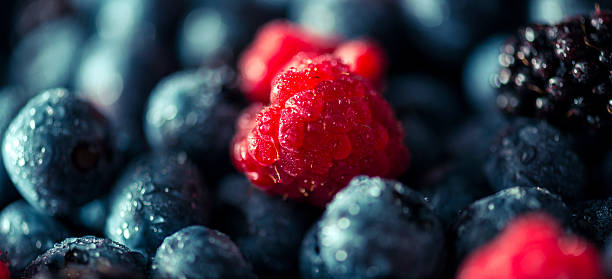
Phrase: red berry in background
x=365 y=58
x=533 y=246
x=324 y=126
x=4 y=269
x=274 y=45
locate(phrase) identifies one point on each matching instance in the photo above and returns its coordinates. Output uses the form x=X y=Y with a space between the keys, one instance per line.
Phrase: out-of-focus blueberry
x=551 y=11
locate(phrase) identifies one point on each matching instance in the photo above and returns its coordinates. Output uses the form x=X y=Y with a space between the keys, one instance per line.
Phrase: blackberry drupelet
x=560 y=72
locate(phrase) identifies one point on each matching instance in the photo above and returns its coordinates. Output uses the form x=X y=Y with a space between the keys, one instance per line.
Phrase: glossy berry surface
x=274 y=45
x=323 y=127
x=535 y=153
x=365 y=58
x=199 y=252
x=11 y=101
x=87 y=257
x=593 y=219
x=311 y=263
x=484 y=219
x=26 y=233
x=267 y=229
x=58 y=152
x=348 y=234
x=157 y=195
x=190 y=111
x=533 y=246
x=560 y=72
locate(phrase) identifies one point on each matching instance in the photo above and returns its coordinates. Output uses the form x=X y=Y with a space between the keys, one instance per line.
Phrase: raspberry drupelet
x=324 y=126
x=365 y=57
x=274 y=45
x=533 y=246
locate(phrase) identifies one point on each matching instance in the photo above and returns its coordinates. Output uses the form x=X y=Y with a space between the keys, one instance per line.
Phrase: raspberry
x=324 y=126
x=533 y=246
x=274 y=45
x=365 y=58
x=4 y=270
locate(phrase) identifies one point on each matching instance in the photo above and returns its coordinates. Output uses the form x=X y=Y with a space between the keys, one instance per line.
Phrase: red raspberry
x=365 y=58
x=533 y=247
x=324 y=126
x=4 y=270
x=274 y=45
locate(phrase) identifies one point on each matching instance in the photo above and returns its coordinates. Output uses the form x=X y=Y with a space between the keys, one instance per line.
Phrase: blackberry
x=156 y=196
x=26 y=233
x=377 y=228
x=485 y=218
x=199 y=252
x=87 y=257
x=593 y=219
x=58 y=152
x=560 y=73
x=532 y=152
x=267 y=229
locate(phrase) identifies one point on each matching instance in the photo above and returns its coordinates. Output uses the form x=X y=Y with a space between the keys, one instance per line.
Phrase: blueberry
x=34 y=13
x=593 y=219
x=423 y=142
x=311 y=263
x=376 y=228
x=117 y=78
x=92 y=216
x=190 y=111
x=535 y=153
x=47 y=56
x=208 y=34
x=58 y=152
x=479 y=74
x=199 y=252
x=551 y=11
x=11 y=101
x=267 y=229
x=453 y=187
x=26 y=233
x=608 y=257
x=471 y=140
x=156 y=196
x=485 y=218
x=87 y=257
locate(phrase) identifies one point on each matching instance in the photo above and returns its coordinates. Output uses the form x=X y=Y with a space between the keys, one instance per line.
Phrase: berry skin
x=58 y=152
x=11 y=101
x=608 y=257
x=535 y=153
x=349 y=233
x=190 y=111
x=533 y=246
x=593 y=219
x=87 y=257
x=267 y=229
x=323 y=127
x=485 y=218
x=311 y=263
x=198 y=252
x=27 y=233
x=365 y=58
x=274 y=45
x=156 y=196
x=560 y=73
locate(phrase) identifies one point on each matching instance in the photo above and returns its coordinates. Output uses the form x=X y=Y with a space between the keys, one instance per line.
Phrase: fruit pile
x=326 y=139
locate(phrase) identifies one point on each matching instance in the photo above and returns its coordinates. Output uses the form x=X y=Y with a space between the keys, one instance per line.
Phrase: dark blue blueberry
x=26 y=233
x=376 y=228
x=424 y=144
x=156 y=196
x=117 y=78
x=11 y=101
x=197 y=252
x=471 y=140
x=432 y=100
x=190 y=111
x=58 y=152
x=208 y=35
x=552 y=11
x=34 y=13
x=535 y=153
x=311 y=264
x=47 y=56
x=87 y=257
x=92 y=216
x=485 y=218
x=479 y=74
x=446 y=29
x=451 y=188
x=593 y=219
x=267 y=229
